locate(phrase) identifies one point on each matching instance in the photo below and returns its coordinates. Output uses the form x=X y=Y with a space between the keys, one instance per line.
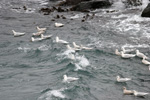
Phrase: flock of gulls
x=126 y=53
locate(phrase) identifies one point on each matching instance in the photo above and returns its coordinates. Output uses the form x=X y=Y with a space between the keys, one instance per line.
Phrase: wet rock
x=24 y=7
x=146 y=11
x=85 y=6
x=70 y=2
x=132 y=2
x=60 y=9
x=46 y=11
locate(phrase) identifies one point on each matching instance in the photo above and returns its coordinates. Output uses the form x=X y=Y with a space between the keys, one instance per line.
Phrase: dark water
x=34 y=70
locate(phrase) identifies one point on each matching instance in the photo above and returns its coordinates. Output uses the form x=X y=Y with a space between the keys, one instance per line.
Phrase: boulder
x=85 y=6
x=129 y=3
x=146 y=11
x=70 y=2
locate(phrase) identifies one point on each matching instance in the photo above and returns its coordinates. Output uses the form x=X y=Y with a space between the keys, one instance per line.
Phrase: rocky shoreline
x=88 y=5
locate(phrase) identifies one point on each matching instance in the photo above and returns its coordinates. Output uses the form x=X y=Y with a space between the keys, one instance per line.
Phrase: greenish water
x=34 y=70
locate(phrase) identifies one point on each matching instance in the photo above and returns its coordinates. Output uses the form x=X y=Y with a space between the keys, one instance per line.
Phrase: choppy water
x=34 y=70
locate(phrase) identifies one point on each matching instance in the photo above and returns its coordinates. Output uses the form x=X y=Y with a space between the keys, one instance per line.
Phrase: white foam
x=56 y=93
x=78 y=67
x=144 y=3
x=83 y=61
x=25 y=49
x=43 y=47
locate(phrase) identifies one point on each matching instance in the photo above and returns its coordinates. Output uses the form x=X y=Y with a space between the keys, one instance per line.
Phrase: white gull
x=145 y=61
x=75 y=45
x=127 y=55
x=122 y=79
x=127 y=92
x=70 y=48
x=61 y=41
x=38 y=33
x=46 y=36
x=59 y=24
x=117 y=52
x=127 y=50
x=17 y=33
x=136 y=93
x=141 y=55
x=86 y=48
x=37 y=39
x=69 y=79
x=41 y=29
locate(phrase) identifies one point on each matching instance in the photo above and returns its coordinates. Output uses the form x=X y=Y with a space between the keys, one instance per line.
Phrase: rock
x=132 y=2
x=70 y=2
x=85 y=6
x=74 y=2
x=146 y=11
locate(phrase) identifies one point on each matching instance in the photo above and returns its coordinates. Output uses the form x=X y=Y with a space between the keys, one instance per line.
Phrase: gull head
x=124 y=88
x=137 y=51
x=118 y=77
x=14 y=32
x=32 y=39
x=57 y=39
x=65 y=77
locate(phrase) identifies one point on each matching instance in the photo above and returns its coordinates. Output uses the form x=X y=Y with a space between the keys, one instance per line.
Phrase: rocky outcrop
x=77 y=5
x=84 y=6
x=132 y=2
x=70 y=2
x=146 y=11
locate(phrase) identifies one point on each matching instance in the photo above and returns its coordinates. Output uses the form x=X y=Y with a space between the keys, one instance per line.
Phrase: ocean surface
x=34 y=70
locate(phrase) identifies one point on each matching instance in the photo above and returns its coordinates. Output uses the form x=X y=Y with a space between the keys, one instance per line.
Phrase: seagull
x=127 y=50
x=86 y=48
x=127 y=92
x=38 y=33
x=40 y=29
x=75 y=45
x=141 y=55
x=69 y=79
x=126 y=55
x=61 y=41
x=117 y=52
x=145 y=61
x=70 y=48
x=18 y=33
x=46 y=36
x=37 y=39
x=122 y=79
x=59 y=24
x=136 y=93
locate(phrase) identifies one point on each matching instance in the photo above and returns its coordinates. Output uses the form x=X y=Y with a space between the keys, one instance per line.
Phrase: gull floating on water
x=18 y=33
x=70 y=48
x=38 y=33
x=141 y=55
x=86 y=48
x=122 y=79
x=59 y=24
x=37 y=39
x=46 y=36
x=69 y=79
x=75 y=45
x=41 y=29
x=145 y=61
x=127 y=55
x=127 y=50
x=127 y=92
x=61 y=41
x=136 y=93
x=117 y=52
